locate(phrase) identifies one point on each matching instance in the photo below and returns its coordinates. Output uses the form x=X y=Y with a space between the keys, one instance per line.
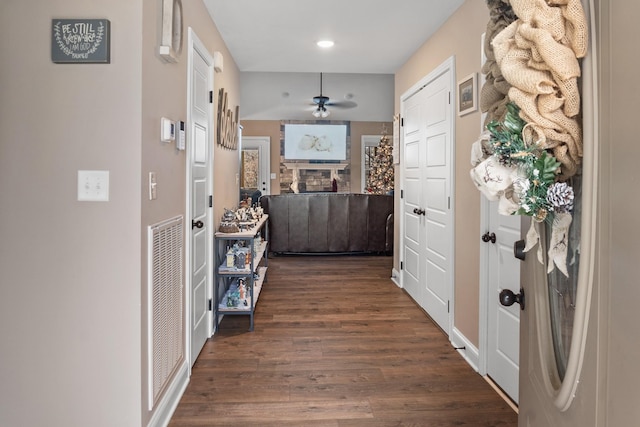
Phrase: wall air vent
x=165 y=305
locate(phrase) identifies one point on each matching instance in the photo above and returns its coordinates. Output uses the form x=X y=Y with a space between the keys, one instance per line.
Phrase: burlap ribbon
x=538 y=55
x=494 y=92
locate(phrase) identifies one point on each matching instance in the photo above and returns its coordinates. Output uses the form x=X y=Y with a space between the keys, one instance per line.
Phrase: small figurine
x=240 y=260
x=230 y=258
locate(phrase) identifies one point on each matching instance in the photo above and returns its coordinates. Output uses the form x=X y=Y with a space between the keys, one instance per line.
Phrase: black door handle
x=518 y=249
x=196 y=224
x=507 y=298
x=486 y=237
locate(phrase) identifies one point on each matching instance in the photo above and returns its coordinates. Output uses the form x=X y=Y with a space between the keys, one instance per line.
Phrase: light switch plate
x=93 y=186
x=153 y=194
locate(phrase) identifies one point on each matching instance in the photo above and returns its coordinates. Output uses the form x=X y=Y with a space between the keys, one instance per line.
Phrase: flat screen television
x=315 y=142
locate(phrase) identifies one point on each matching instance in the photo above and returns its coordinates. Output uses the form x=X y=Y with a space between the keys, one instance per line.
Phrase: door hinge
x=402 y=122
x=449 y=98
x=210 y=304
x=211 y=201
x=449 y=202
x=210 y=97
x=402 y=194
x=401 y=265
x=448 y=308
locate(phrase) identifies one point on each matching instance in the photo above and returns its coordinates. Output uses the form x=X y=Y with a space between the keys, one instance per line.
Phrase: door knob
x=196 y=224
x=419 y=211
x=518 y=249
x=486 y=237
x=507 y=298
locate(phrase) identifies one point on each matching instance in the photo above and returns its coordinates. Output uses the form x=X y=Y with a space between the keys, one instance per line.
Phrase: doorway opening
x=255 y=171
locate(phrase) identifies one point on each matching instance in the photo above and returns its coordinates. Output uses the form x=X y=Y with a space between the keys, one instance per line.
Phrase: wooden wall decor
x=227 y=131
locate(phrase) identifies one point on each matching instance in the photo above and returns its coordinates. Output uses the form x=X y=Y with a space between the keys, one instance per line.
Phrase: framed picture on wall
x=468 y=94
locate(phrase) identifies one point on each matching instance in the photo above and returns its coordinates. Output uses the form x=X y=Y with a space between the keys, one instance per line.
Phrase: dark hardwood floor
x=336 y=343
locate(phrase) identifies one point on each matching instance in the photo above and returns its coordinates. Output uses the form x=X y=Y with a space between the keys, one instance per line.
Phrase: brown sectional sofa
x=329 y=223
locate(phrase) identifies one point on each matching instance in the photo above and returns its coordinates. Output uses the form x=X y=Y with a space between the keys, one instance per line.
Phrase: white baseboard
x=168 y=404
x=470 y=353
x=395 y=277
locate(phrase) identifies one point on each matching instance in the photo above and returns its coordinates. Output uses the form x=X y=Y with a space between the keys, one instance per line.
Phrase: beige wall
x=450 y=40
x=164 y=94
x=73 y=274
x=271 y=128
x=70 y=271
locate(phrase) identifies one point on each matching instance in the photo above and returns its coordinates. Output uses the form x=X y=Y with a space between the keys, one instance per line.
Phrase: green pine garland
x=538 y=193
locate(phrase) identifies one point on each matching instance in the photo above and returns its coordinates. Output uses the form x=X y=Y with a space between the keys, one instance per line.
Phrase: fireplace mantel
x=315 y=166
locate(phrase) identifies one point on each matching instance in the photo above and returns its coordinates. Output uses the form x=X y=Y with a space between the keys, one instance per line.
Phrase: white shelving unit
x=227 y=279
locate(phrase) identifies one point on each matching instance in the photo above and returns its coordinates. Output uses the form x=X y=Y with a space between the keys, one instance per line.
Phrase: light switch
x=273 y=175
x=152 y=186
x=93 y=186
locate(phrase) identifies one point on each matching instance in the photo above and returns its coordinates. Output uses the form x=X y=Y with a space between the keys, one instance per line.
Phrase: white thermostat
x=167 y=130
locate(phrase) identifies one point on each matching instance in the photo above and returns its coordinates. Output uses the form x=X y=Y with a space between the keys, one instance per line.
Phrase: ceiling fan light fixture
x=320 y=112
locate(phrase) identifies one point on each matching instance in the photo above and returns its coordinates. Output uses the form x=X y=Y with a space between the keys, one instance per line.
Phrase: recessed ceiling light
x=325 y=43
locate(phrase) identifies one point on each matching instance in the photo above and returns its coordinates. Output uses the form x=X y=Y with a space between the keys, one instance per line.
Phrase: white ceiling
x=371 y=36
x=269 y=37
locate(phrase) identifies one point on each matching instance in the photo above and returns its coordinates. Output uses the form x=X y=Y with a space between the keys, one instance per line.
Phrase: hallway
x=336 y=343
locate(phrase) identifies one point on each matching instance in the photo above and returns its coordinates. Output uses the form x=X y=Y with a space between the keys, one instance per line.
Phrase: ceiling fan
x=321 y=102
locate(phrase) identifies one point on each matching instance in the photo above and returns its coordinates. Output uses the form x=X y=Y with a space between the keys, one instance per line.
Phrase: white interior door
x=413 y=229
x=427 y=193
x=503 y=323
x=437 y=200
x=499 y=325
x=256 y=163
x=200 y=157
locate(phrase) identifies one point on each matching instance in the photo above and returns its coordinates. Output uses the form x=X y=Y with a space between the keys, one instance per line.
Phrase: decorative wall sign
x=80 y=41
x=227 y=132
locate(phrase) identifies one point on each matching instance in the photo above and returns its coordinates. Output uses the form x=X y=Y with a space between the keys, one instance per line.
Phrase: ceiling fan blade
x=341 y=104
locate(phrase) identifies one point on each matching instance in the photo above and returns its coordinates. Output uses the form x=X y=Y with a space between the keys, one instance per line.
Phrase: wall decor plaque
x=80 y=41
x=227 y=130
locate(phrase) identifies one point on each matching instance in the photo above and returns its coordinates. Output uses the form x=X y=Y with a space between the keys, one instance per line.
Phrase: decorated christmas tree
x=380 y=180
